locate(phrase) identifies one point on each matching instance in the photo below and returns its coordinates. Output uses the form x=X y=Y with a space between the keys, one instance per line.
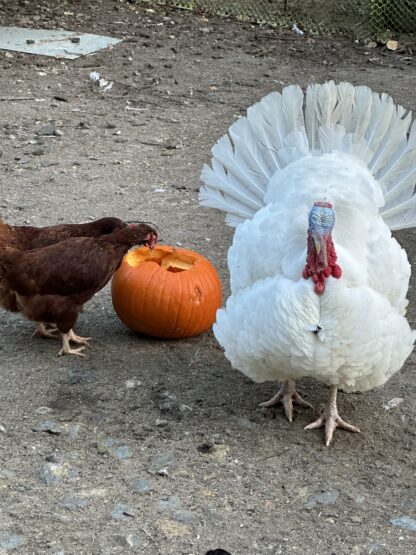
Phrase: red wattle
x=314 y=264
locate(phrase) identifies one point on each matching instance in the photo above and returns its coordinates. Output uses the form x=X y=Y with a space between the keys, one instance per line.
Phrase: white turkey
x=314 y=185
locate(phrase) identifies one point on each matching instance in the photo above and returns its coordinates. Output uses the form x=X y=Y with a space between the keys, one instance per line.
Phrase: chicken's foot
x=77 y=338
x=287 y=395
x=331 y=419
x=66 y=347
x=42 y=330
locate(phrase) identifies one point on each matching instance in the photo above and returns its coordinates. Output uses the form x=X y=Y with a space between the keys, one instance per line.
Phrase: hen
x=29 y=237
x=51 y=284
x=321 y=179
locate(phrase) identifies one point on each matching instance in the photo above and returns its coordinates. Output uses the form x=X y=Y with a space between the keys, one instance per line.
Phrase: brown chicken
x=51 y=284
x=27 y=238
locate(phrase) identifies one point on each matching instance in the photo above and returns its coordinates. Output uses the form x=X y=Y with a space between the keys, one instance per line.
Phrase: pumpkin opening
x=170 y=261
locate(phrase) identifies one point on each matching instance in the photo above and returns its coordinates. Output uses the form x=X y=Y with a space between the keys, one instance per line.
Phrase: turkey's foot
x=67 y=349
x=331 y=419
x=77 y=338
x=42 y=330
x=287 y=395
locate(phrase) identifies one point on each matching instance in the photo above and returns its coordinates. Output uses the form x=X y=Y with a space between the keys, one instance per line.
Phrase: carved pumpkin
x=168 y=292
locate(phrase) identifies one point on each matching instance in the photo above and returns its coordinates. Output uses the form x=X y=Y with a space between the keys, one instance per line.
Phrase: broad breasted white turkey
x=314 y=185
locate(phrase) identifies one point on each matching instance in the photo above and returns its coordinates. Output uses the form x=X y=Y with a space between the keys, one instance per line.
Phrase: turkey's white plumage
x=357 y=150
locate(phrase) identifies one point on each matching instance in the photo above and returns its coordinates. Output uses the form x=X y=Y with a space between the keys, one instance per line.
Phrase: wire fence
x=358 y=18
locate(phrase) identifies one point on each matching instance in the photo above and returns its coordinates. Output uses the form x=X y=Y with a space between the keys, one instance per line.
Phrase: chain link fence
x=357 y=18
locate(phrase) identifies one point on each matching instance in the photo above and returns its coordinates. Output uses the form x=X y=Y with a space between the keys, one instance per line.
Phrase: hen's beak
x=151 y=240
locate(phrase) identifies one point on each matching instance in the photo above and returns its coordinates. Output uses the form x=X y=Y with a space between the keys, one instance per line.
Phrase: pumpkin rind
x=173 y=303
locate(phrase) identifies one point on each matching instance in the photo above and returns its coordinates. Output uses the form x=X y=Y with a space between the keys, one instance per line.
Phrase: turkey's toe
x=287 y=395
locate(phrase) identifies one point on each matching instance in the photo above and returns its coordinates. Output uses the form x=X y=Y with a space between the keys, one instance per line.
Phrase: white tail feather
x=286 y=127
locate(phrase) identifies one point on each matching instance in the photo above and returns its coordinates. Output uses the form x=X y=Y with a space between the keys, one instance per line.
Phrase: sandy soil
x=158 y=447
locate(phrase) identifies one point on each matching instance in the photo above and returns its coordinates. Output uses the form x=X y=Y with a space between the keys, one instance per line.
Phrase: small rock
x=2 y=429
x=38 y=152
x=324 y=498
x=121 y=140
x=169 y=405
x=142 y=486
x=30 y=41
x=170 y=503
x=53 y=458
x=160 y=463
x=131 y=540
x=123 y=452
x=161 y=423
x=48 y=426
x=8 y=543
x=206 y=447
x=185 y=517
x=73 y=503
x=121 y=511
x=47 y=130
x=48 y=163
x=52 y=473
x=75 y=40
x=60 y=97
x=404 y=522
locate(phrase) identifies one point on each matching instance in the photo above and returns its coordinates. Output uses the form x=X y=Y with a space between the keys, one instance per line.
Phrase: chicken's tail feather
x=284 y=127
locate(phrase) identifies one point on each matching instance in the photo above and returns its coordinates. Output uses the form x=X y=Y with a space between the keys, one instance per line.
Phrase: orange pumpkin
x=168 y=292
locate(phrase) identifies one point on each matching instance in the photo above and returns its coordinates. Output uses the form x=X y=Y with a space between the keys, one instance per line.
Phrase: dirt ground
x=159 y=447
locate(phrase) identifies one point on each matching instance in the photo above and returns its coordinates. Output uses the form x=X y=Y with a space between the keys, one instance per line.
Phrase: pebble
x=123 y=452
x=131 y=540
x=404 y=522
x=52 y=473
x=47 y=130
x=142 y=486
x=169 y=406
x=185 y=517
x=73 y=503
x=324 y=498
x=170 y=503
x=121 y=511
x=11 y=542
x=160 y=463
x=48 y=426
x=206 y=447
x=38 y=151
x=48 y=163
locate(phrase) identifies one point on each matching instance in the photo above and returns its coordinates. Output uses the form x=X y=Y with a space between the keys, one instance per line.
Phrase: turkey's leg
x=67 y=349
x=287 y=395
x=331 y=419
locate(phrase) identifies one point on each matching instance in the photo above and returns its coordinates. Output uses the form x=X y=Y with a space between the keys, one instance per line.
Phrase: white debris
x=296 y=30
x=103 y=83
x=52 y=42
x=393 y=403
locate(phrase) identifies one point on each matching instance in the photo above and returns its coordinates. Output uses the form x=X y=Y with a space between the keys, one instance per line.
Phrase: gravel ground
x=158 y=447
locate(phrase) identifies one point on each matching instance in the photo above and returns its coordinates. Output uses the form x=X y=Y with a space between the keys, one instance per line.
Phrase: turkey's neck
x=319 y=266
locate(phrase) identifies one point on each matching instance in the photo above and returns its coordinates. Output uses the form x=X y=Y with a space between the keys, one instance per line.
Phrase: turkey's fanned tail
x=284 y=127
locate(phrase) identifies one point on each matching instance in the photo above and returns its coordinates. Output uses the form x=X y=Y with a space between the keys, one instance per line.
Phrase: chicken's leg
x=67 y=349
x=77 y=338
x=287 y=395
x=43 y=331
x=331 y=419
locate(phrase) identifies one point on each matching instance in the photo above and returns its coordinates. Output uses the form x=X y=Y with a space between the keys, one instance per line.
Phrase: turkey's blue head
x=321 y=256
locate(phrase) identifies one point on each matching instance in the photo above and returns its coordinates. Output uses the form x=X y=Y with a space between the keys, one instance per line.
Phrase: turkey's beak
x=320 y=246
